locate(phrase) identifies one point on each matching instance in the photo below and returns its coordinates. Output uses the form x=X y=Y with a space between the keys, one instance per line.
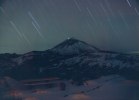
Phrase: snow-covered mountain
x=73 y=46
x=72 y=59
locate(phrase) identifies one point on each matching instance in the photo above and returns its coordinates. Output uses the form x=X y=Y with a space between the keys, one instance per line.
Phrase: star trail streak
x=21 y=35
x=40 y=34
x=14 y=26
x=137 y=11
x=2 y=9
x=77 y=5
x=34 y=19
x=91 y=15
x=129 y=3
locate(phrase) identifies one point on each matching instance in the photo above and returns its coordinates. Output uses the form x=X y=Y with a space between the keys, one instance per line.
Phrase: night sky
x=28 y=25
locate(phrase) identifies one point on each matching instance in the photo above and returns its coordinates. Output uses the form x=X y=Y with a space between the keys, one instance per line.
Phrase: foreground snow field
x=111 y=87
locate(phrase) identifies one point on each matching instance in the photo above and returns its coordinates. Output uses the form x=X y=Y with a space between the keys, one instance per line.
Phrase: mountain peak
x=72 y=38
x=69 y=41
x=73 y=46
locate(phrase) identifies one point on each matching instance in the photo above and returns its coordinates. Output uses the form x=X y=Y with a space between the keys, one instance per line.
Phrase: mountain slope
x=71 y=59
